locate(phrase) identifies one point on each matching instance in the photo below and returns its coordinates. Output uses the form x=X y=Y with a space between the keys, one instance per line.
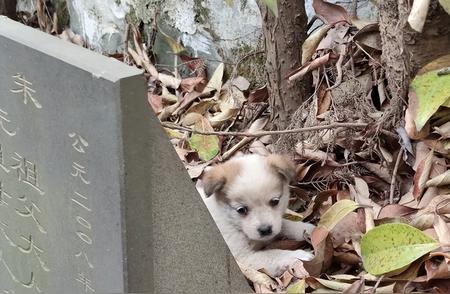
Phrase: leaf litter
x=380 y=197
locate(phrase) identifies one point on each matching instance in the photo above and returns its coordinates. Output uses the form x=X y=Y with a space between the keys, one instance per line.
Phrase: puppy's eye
x=243 y=210
x=274 y=201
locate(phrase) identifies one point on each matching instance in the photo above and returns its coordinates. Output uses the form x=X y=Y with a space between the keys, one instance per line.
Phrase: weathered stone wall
x=209 y=28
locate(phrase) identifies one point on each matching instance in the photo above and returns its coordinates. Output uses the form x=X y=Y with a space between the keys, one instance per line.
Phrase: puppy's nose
x=265 y=230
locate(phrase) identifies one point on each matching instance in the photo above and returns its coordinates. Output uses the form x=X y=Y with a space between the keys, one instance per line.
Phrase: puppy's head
x=253 y=192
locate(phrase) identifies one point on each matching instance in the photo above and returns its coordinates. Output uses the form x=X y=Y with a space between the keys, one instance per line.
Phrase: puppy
x=247 y=197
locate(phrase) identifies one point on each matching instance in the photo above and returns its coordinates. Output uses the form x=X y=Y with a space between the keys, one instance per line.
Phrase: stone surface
x=92 y=195
x=210 y=29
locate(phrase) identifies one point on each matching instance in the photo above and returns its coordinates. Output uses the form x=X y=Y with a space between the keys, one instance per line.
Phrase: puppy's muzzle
x=265 y=230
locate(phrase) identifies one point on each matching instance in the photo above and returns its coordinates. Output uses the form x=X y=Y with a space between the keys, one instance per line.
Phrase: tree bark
x=284 y=36
x=8 y=8
x=405 y=51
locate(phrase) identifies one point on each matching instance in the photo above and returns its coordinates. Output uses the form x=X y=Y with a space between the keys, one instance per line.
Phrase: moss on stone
x=63 y=14
x=201 y=13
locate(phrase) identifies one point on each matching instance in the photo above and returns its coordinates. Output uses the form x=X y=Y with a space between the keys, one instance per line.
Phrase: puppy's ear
x=213 y=180
x=282 y=165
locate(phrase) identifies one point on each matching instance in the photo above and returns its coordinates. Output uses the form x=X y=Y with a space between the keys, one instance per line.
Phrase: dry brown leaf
x=258 y=95
x=193 y=84
x=443 y=130
x=323 y=101
x=439 y=204
x=257 y=277
x=317 y=155
x=169 y=81
x=442 y=231
x=422 y=174
x=241 y=83
x=331 y=13
x=155 y=102
x=369 y=36
x=410 y=114
x=423 y=221
x=310 y=45
x=310 y=66
x=440 y=180
x=357 y=287
x=361 y=194
x=351 y=224
x=437 y=269
x=395 y=210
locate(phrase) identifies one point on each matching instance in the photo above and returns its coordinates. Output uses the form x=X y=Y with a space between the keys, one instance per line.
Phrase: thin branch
x=281 y=132
x=264 y=133
x=394 y=176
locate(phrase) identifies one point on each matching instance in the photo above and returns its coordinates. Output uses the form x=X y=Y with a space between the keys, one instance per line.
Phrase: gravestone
x=92 y=195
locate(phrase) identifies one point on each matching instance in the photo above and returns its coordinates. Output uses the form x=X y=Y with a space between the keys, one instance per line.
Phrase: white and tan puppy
x=247 y=197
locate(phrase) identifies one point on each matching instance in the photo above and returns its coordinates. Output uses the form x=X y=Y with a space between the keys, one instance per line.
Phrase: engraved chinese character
x=3 y=121
x=31 y=247
x=29 y=212
x=85 y=257
x=79 y=171
x=29 y=284
x=26 y=172
x=79 y=142
x=79 y=202
x=2 y=160
x=25 y=89
x=3 y=195
x=85 y=283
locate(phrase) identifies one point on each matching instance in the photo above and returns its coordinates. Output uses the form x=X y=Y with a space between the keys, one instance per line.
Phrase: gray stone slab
x=92 y=194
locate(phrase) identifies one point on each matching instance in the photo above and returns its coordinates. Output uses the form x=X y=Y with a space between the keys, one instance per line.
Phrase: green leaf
x=272 y=4
x=446 y=5
x=176 y=47
x=391 y=247
x=297 y=287
x=432 y=90
x=207 y=146
x=336 y=213
x=229 y=2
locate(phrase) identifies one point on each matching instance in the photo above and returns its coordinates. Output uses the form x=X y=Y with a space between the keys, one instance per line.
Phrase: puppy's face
x=253 y=192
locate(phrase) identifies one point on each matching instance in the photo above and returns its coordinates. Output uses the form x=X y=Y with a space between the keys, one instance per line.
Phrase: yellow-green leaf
x=207 y=146
x=432 y=90
x=215 y=83
x=391 y=247
x=229 y=2
x=446 y=5
x=176 y=47
x=272 y=5
x=336 y=213
x=297 y=287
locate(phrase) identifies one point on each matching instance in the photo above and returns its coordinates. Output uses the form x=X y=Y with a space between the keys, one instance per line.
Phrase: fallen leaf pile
x=380 y=196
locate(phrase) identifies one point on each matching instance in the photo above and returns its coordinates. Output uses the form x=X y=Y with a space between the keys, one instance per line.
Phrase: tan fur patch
x=216 y=178
x=282 y=165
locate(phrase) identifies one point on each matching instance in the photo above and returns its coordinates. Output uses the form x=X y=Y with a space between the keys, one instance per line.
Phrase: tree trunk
x=8 y=8
x=284 y=36
x=405 y=51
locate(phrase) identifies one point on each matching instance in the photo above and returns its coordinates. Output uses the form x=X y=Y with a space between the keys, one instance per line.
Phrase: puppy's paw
x=296 y=230
x=303 y=255
x=287 y=260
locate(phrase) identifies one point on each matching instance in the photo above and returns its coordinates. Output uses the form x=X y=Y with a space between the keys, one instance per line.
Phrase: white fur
x=254 y=186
